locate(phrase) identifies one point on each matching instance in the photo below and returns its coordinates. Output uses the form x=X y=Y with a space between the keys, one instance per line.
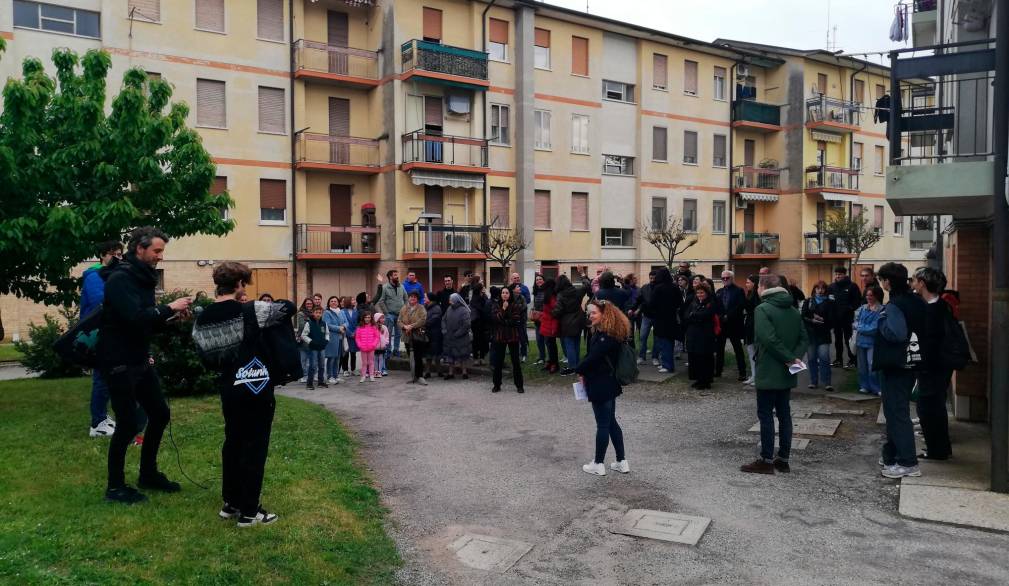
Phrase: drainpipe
x=486 y=187
x=1000 y=260
x=851 y=142
x=731 y=204
x=294 y=178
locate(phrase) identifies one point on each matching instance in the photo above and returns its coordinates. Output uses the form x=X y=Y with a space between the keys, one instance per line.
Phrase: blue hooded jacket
x=92 y=290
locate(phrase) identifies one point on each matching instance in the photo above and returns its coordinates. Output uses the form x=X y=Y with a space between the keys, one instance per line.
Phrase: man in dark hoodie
x=608 y=291
x=641 y=307
x=129 y=318
x=847 y=298
x=664 y=305
x=732 y=299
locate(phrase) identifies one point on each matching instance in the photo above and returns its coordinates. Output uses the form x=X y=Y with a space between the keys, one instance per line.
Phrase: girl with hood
x=303 y=316
x=458 y=336
x=368 y=340
x=549 y=326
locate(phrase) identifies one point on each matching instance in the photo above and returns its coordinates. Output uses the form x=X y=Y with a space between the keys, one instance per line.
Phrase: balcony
x=924 y=20
x=822 y=246
x=756 y=116
x=325 y=242
x=756 y=179
x=344 y=66
x=447 y=241
x=423 y=150
x=346 y=154
x=445 y=64
x=821 y=179
x=833 y=115
x=754 y=246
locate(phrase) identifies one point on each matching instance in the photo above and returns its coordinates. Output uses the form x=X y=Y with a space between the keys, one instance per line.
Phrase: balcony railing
x=755 y=244
x=822 y=243
x=436 y=149
x=925 y=5
x=826 y=177
x=824 y=109
x=445 y=238
x=756 y=178
x=324 y=239
x=750 y=111
x=337 y=150
x=438 y=58
x=345 y=61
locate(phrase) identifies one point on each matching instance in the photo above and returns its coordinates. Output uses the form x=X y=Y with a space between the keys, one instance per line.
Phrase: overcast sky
x=862 y=25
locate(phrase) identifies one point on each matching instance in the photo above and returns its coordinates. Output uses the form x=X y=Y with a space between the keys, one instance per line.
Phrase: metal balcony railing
x=824 y=109
x=445 y=238
x=439 y=58
x=756 y=178
x=338 y=150
x=425 y=147
x=750 y=111
x=338 y=240
x=322 y=58
x=820 y=242
x=755 y=243
x=925 y=5
x=827 y=177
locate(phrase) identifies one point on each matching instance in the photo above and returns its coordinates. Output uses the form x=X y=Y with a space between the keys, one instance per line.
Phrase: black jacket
x=569 y=312
x=618 y=297
x=699 y=337
x=731 y=298
x=665 y=305
x=847 y=298
x=130 y=315
x=818 y=332
x=642 y=303
x=598 y=366
x=442 y=298
x=749 y=312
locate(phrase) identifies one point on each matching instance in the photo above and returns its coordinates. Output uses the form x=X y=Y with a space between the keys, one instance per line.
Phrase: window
x=858 y=93
x=500 y=124
x=689 y=147
x=541 y=122
x=541 y=221
x=159 y=287
x=718 y=145
x=877 y=218
x=617 y=237
x=149 y=10
x=57 y=19
x=880 y=90
x=898 y=225
x=660 y=213
x=821 y=83
x=580 y=134
x=580 y=211
x=880 y=160
x=271 y=110
x=272 y=201
x=432 y=24
x=497 y=47
x=659 y=144
x=690 y=215
x=499 y=207
x=219 y=186
x=719 y=87
x=618 y=165
x=270 y=20
x=718 y=217
x=856 y=155
x=856 y=210
x=690 y=78
x=621 y=92
x=579 y=56
x=210 y=15
x=210 y=104
x=716 y=272
x=922 y=232
x=821 y=153
x=541 y=57
x=660 y=71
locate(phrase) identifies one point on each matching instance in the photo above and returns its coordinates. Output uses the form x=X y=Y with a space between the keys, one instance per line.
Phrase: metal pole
x=430 y=259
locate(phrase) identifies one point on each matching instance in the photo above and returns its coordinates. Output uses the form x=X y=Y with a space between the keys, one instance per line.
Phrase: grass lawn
x=58 y=529
x=8 y=353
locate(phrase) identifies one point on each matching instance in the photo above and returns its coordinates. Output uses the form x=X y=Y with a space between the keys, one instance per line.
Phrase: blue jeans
x=770 y=402
x=572 y=348
x=316 y=364
x=899 y=446
x=394 y=333
x=664 y=348
x=646 y=329
x=99 y=398
x=333 y=366
x=819 y=364
x=607 y=429
x=541 y=344
x=304 y=359
x=867 y=379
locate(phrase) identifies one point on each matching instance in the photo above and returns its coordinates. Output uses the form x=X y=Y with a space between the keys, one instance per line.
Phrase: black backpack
x=79 y=345
x=283 y=357
x=955 y=353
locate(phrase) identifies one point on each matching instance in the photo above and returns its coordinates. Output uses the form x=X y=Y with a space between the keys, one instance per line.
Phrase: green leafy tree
x=174 y=352
x=73 y=173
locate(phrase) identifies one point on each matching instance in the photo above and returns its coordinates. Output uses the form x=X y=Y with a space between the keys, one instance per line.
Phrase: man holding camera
x=129 y=318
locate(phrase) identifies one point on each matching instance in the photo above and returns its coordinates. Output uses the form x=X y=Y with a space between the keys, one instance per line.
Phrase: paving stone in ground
x=663 y=526
x=484 y=552
x=797 y=443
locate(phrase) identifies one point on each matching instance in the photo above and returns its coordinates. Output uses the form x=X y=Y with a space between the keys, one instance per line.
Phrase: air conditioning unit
x=741 y=204
x=742 y=70
x=459 y=243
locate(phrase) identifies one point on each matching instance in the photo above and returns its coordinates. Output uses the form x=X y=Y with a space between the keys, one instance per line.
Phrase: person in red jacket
x=550 y=327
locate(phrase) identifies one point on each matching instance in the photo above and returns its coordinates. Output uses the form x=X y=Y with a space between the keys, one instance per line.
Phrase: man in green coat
x=781 y=340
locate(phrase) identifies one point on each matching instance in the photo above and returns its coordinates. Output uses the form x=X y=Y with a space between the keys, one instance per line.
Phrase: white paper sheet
x=797 y=368
x=580 y=394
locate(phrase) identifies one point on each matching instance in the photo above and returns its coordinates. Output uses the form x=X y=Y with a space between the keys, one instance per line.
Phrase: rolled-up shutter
x=542 y=38
x=272 y=194
x=690 y=147
x=499 y=206
x=542 y=211
x=144 y=9
x=579 y=211
x=271 y=109
x=660 y=71
x=210 y=15
x=499 y=31
x=433 y=111
x=659 y=143
x=432 y=23
x=270 y=19
x=579 y=56
x=219 y=186
x=690 y=77
x=211 y=109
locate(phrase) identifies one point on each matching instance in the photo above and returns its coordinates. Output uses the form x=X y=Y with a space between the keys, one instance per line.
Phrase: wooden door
x=272 y=281
x=338 y=33
x=434 y=201
x=339 y=125
x=433 y=125
x=749 y=158
x=340 y=215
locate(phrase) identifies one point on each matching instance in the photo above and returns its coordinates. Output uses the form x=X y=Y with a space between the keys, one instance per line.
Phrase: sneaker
x=622 y=467
x=748 y=382
x=758 y=466
x=640 y=361
x=524 y=358
x=664 y=370
x=781 y=466
x=260 y=518
x=811 y=386
x=567 y=372
x=540 y=361
x=594 y=468
x=371 y=378
x=323 y=386
x=310 y=387
x=360 y=382
x=103 y=429
x=520 y=390
x=337 y=381
x=496 y=390
x=138 y=440
x=741 y=378
x=655 y=361
x=863 y=391
x=303 y=379
x=898 y=471
x=124 y=494
x=851 y=364
x=158 y=481
x=422 y=381
x=828 y=388
x=228 y=512
x=836 y=364
x=385 y=373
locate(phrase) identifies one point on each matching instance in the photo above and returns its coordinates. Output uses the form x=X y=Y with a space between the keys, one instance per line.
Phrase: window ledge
x=209 y=30
x=618 y=246
x=620 y=101
x=691 y=95
x=660 y=160
x=581 y=153
x=543 y=68
x=273 y=223
x=500 y=144
x=211 y=127
x=580 y=230
x=544 y=149
x=275 y=41
x=142 y=19
x=581 y=75
x=272 y=133
x=691 y=164
x=713 y=166
x=543 y=229
x=619 y=174
x=660 y=89
x=720 y=99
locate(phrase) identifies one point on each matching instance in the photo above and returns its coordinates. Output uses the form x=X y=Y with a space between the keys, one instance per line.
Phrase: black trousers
x=348 y=361
x=842 y=333
x=419 y=352
x=128 y=386
x=248 y=419
x=551 y=344
x=607 y=430
x=498 y=355
x=737 y=348
x=480 y=342
x=701 y=367
x=932 y=388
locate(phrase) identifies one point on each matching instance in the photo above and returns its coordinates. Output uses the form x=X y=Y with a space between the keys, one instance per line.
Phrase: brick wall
x=968 y=262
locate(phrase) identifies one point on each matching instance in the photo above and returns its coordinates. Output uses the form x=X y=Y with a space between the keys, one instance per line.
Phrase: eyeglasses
x=726 y=278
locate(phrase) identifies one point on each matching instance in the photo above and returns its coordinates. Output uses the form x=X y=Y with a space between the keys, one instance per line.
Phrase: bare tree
x=502 y=245
x=670 y=239
x=855 y=233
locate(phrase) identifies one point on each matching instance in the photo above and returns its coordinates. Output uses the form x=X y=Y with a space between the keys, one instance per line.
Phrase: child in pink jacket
x=368 y=338
x=380 y=352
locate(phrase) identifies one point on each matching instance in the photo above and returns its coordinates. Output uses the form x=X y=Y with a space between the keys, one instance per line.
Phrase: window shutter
x=272 y=194
x=270 y=19
x=878 y=217
x=660 y=71
x=859 y=91
x=145 y=9
x=433 y=111
x=271 y=109
x=219 y=186
x=499 y=207
x=432 y=23
x=579 y=211
x=210 y=103
x=659 y=143
x=542 y=38
x=542 y=219
x=690 y=77
x=690 y=146
x=499 y=31
x=821 y=83
x=579 y=56
x=210 y=15
x=719 y=146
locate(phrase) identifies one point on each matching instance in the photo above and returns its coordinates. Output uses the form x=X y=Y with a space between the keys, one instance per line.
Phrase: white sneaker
x=748 y=382
x=422 y=381
x=303 y=379
x=331 y=381
x=103 y=429
x=640 y=361
x=663 y=370
x=337 y=381
x=361 y=381
x=655 y=361
x=371 y=379
x=593 y=468
x=898 y=471
x=261 y=518
x=622 y=467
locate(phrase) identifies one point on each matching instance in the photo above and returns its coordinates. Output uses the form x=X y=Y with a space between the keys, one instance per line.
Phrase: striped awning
x=845 y=197
x=459 y=180
x=826 y=136
x=758 y=196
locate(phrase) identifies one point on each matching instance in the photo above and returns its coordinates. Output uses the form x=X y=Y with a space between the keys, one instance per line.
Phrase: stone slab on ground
x=881 y=419
x=824 y=427
x=851 y=397
x=493 y=554
x=652 y=375
x=958 y=506
x=829 y=411
x=797 y=443
x=663 y=526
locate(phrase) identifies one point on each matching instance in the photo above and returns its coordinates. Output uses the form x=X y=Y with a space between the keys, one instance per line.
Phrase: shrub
x=175 y=356
x=38 y=353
